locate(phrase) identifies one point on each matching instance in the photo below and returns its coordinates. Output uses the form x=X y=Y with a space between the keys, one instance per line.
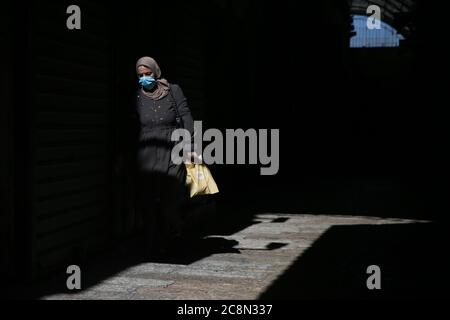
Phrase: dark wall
x=361 y=129
x=61 y=95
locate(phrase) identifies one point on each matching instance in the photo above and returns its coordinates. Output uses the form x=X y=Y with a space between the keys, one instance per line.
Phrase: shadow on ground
x=203 y=239
x=412 y=258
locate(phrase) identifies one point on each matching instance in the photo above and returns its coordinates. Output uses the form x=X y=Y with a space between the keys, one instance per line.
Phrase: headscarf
x=162 y=85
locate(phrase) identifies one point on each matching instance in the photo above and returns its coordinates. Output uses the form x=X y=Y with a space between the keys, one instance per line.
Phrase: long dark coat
x=160 y=184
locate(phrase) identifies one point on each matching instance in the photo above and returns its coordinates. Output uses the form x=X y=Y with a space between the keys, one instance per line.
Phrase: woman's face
x=144 y=71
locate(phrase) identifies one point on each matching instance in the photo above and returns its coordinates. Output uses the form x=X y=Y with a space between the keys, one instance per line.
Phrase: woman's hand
x=193 y=157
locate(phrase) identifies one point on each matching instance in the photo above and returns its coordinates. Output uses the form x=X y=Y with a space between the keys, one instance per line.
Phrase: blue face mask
x=147 y=82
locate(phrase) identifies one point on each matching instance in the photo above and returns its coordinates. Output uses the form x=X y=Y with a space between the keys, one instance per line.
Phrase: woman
x=161 y=183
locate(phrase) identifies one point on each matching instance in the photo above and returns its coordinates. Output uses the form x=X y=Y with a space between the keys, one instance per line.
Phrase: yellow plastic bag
x=199 y=180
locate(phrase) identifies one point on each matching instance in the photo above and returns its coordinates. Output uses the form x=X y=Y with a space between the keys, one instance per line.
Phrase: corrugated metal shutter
x=71 y=99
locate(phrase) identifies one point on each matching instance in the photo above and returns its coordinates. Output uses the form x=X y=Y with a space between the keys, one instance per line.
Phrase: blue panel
x=386 y=36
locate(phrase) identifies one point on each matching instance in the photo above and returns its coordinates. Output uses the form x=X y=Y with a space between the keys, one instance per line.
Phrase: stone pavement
x=258 y=256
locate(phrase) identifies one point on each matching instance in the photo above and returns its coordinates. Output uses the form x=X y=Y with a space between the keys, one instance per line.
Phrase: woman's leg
x=172 y=199
x=149 y=202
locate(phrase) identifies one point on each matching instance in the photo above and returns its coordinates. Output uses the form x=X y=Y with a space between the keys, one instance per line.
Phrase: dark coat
x=146 y=142
x=157 y=177
x=157 y=120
